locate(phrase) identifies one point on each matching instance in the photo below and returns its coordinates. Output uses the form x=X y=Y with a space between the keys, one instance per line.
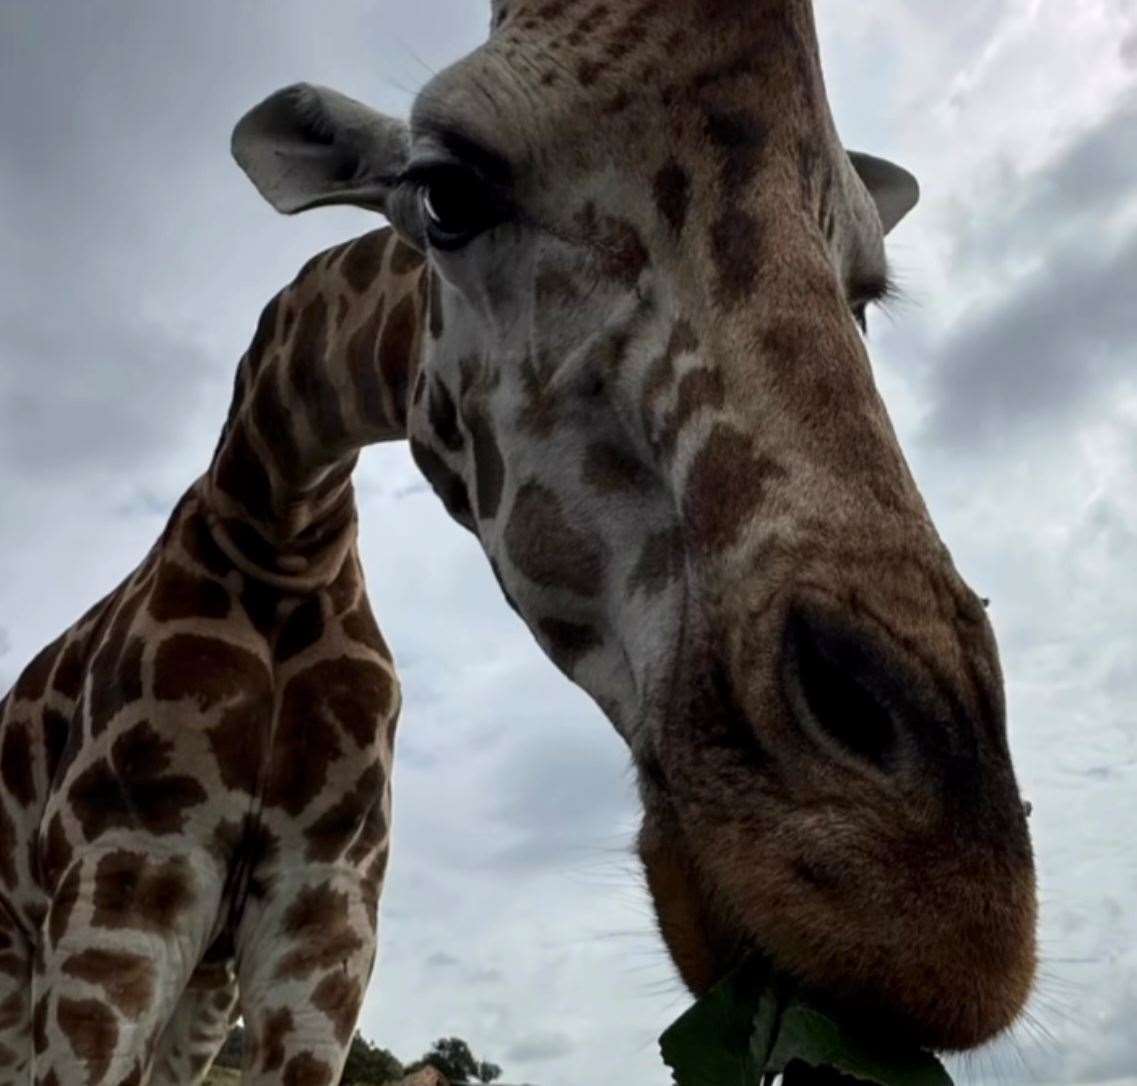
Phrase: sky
x=137 y=259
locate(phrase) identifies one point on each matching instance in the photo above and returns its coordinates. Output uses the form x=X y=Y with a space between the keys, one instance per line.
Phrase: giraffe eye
x=457 y=206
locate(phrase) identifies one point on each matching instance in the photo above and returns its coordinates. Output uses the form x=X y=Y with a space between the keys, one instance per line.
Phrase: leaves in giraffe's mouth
x=756 y=1026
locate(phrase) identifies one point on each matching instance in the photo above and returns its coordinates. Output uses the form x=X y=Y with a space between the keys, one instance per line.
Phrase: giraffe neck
x=325 y=375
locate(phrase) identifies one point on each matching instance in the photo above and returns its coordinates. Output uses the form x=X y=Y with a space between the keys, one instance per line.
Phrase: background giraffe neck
x=327 y=373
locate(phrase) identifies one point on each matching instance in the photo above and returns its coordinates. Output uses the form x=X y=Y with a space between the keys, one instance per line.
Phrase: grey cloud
x=1094 y=176
x=1018 y=215
x=441 y=960
x=1051 y=350
x=88 y=395
x=560 y=788
x=541 y=1047
x=1128 y=49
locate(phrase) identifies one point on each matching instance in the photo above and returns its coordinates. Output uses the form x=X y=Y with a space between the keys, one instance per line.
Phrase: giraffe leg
x=193 y=1037
x=122 y=938
x=15 y=1001
x=305 y=952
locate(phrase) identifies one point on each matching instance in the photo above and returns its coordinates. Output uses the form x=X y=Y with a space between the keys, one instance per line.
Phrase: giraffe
x=631 y=258
x=644 y=389
x=195 y=801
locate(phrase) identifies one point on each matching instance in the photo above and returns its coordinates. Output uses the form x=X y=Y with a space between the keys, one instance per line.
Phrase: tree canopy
x=452 y=1056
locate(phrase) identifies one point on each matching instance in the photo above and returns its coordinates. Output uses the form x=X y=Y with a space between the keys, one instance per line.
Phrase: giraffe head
x=643 y=386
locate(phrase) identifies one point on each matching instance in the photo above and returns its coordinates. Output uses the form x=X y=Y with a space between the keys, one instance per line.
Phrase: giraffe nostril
x=834 y=680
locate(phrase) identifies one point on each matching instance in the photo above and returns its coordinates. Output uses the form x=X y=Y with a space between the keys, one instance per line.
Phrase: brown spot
x=612 y=470
x=434 y=302
x=395 y=352
x=569 y=641
x=32 y=683
x=489 y=468
x=8 y=847
x=443 y=416
x=330 y=836
x=237 y=741
x=127 y=979
x=56 y=731
x=178 y=594
x=736 y=239
x=308 y=374
x=318 y=707
x=547 y=549
x=302 y=629
x=92 y=1032
x=132 y=789
x=741 y=138
x=115 y=688
x=16 y=762
x=277 y=1026
x=373 y=833
x=361 y=626
x=726 y=486
x=273 y=420
x=116 y=669
x=661 y=562
x=56 y=852
x=338 y=997
x=672 y=188
x=239 y=470
x=363 y=365
x=131 y=892
x=305 y=1070
x=445 y=482
x=318 y=927
x=205 y=669
x=621 y=252
x=68 y=678
x=362 y=260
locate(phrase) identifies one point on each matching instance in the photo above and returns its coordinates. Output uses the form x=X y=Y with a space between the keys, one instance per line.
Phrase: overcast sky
x=136 y=259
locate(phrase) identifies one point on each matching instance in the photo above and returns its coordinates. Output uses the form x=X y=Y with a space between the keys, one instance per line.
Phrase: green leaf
x=814 y=1038
x=711 y=1045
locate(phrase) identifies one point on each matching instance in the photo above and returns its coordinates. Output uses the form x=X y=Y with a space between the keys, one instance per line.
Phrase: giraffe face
x=643 y=388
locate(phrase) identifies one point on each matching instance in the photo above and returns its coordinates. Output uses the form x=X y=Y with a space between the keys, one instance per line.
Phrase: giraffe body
x=195 y=812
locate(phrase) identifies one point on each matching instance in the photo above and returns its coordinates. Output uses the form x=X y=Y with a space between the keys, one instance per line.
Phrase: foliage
x=452 y=1056
x=757 y=1025
x=368 y=1063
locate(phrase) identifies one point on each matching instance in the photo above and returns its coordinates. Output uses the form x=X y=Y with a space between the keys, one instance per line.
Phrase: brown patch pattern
x=726 y=486
x=132 y=788
x=318 y=926
x=545 y=546
x=127 y=979
x=92 y=1032
x=133 y=892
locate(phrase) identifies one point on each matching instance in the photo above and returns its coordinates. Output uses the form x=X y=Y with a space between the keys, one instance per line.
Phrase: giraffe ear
x=893 y=189
x=306 y=146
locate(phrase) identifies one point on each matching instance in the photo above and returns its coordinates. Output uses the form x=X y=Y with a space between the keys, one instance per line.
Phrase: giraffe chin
x=951 y=985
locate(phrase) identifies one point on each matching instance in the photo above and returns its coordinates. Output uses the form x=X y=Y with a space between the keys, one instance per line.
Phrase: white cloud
x=513 y=914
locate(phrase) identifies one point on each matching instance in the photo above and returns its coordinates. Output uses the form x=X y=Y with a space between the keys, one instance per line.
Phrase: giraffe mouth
x=752 y=843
